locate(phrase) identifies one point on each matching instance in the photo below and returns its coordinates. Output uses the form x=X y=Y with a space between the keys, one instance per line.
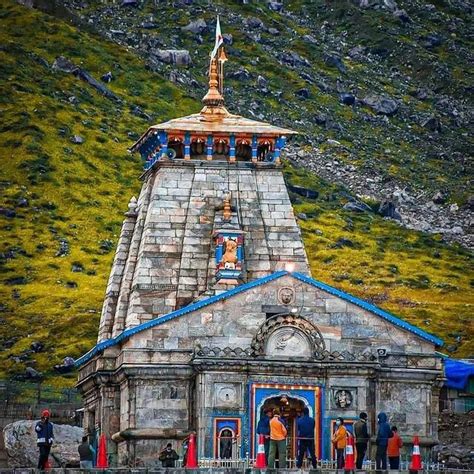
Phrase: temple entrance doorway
x=290 y=400
x=290 y=409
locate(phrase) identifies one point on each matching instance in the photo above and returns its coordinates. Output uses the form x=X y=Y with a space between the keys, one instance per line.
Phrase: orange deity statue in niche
x=229 y=259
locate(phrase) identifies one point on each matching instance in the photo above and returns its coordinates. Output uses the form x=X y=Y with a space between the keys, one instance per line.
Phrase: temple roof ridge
x=196 y=305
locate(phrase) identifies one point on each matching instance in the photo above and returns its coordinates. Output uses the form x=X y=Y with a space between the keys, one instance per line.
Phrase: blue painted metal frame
x=212 y=434
x=253 y=284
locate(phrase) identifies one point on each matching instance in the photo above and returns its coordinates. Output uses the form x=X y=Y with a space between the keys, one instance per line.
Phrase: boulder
x=275 y=6
x=228 y=38
x=293 y=59
x=107 y=77
x=240 y=75
x=22 y=202
x=37 y=346
x=439 y=198
x=470 y=202
x=347 y=99
x=333 y=60
x=77 y=140
x=180 y=57
x=149 y=25
x=64 y=65
x=305 y=192
x=20 y=444
x=432 y=41
x=432 y=123
x=262 y=82
x=387 y=209
x=129 y=3
x=254 y=22
x=402 y=15
x=381 y=105
x=196 y=27
x=302 y=93
x=343 y=242
x=357 y=206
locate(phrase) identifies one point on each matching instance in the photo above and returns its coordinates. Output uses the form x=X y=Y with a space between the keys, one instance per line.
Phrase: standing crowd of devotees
x=272 y=427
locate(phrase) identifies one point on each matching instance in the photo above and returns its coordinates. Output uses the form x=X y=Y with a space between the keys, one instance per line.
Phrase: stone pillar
x=187 y=146
x=254 y=148
x=164 y=145
x=232 y=148
x=210 y=143
x=110 y=418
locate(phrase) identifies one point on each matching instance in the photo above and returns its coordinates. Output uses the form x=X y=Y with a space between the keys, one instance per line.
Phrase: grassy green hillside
x=63 y=203
x=310 y=53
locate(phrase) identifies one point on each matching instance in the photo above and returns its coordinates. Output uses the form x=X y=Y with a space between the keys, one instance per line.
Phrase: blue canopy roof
x=457 y=373
x=252 y=284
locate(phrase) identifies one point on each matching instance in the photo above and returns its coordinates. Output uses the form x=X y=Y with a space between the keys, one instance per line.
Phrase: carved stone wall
x=166 y=254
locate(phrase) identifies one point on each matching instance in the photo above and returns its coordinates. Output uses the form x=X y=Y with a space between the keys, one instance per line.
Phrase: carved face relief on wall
x=343 y=398
x=288 y=342
x=286 y=295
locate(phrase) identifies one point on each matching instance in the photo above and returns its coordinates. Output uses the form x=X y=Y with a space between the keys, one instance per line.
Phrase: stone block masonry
x=165 y=258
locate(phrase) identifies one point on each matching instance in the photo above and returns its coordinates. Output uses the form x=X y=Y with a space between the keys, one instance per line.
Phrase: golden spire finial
x=213 y=98
x=213 y=101
x=227 y=214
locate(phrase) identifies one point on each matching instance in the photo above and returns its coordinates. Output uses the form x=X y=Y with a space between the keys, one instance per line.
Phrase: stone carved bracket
x=283 y=334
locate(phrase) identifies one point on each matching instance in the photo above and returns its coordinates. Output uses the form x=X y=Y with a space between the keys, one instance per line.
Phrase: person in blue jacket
x=384 y=432
x=263 y=428
x=306 y=426
x=45 y=438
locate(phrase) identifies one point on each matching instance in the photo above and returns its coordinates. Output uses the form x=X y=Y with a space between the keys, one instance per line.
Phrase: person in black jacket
x=383 y=433
x=45 y=438
x=168 y=456
x=306 y=426
x=86 y=454
x=362 y=437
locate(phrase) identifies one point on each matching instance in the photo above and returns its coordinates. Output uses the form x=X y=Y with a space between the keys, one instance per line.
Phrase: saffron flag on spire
x=219 y=39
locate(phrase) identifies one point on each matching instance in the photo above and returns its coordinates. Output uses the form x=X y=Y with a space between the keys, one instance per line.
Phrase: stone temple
x=211 y=312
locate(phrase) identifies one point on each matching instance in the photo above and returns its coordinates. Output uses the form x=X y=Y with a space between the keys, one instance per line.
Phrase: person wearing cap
x=45 y=438
x=168 y=456
x=339 y=440
x=277 y=441
x=362 y=437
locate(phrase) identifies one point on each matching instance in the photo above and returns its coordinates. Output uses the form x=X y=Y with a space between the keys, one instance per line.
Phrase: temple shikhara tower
x=211 y=313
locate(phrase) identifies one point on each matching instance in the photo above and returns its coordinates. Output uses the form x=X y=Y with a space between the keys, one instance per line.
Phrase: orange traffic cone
x=191 y=458
x=415 y=464
x=349 y=464
x=260 y=461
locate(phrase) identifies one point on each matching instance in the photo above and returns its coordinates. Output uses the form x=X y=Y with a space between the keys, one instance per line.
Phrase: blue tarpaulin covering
x=457 y=373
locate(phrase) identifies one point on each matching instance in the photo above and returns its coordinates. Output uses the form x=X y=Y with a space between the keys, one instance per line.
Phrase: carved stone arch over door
x=288 y=336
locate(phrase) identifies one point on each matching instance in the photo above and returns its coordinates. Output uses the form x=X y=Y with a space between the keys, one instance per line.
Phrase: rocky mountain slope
x=380 y=89
x=66 y=178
